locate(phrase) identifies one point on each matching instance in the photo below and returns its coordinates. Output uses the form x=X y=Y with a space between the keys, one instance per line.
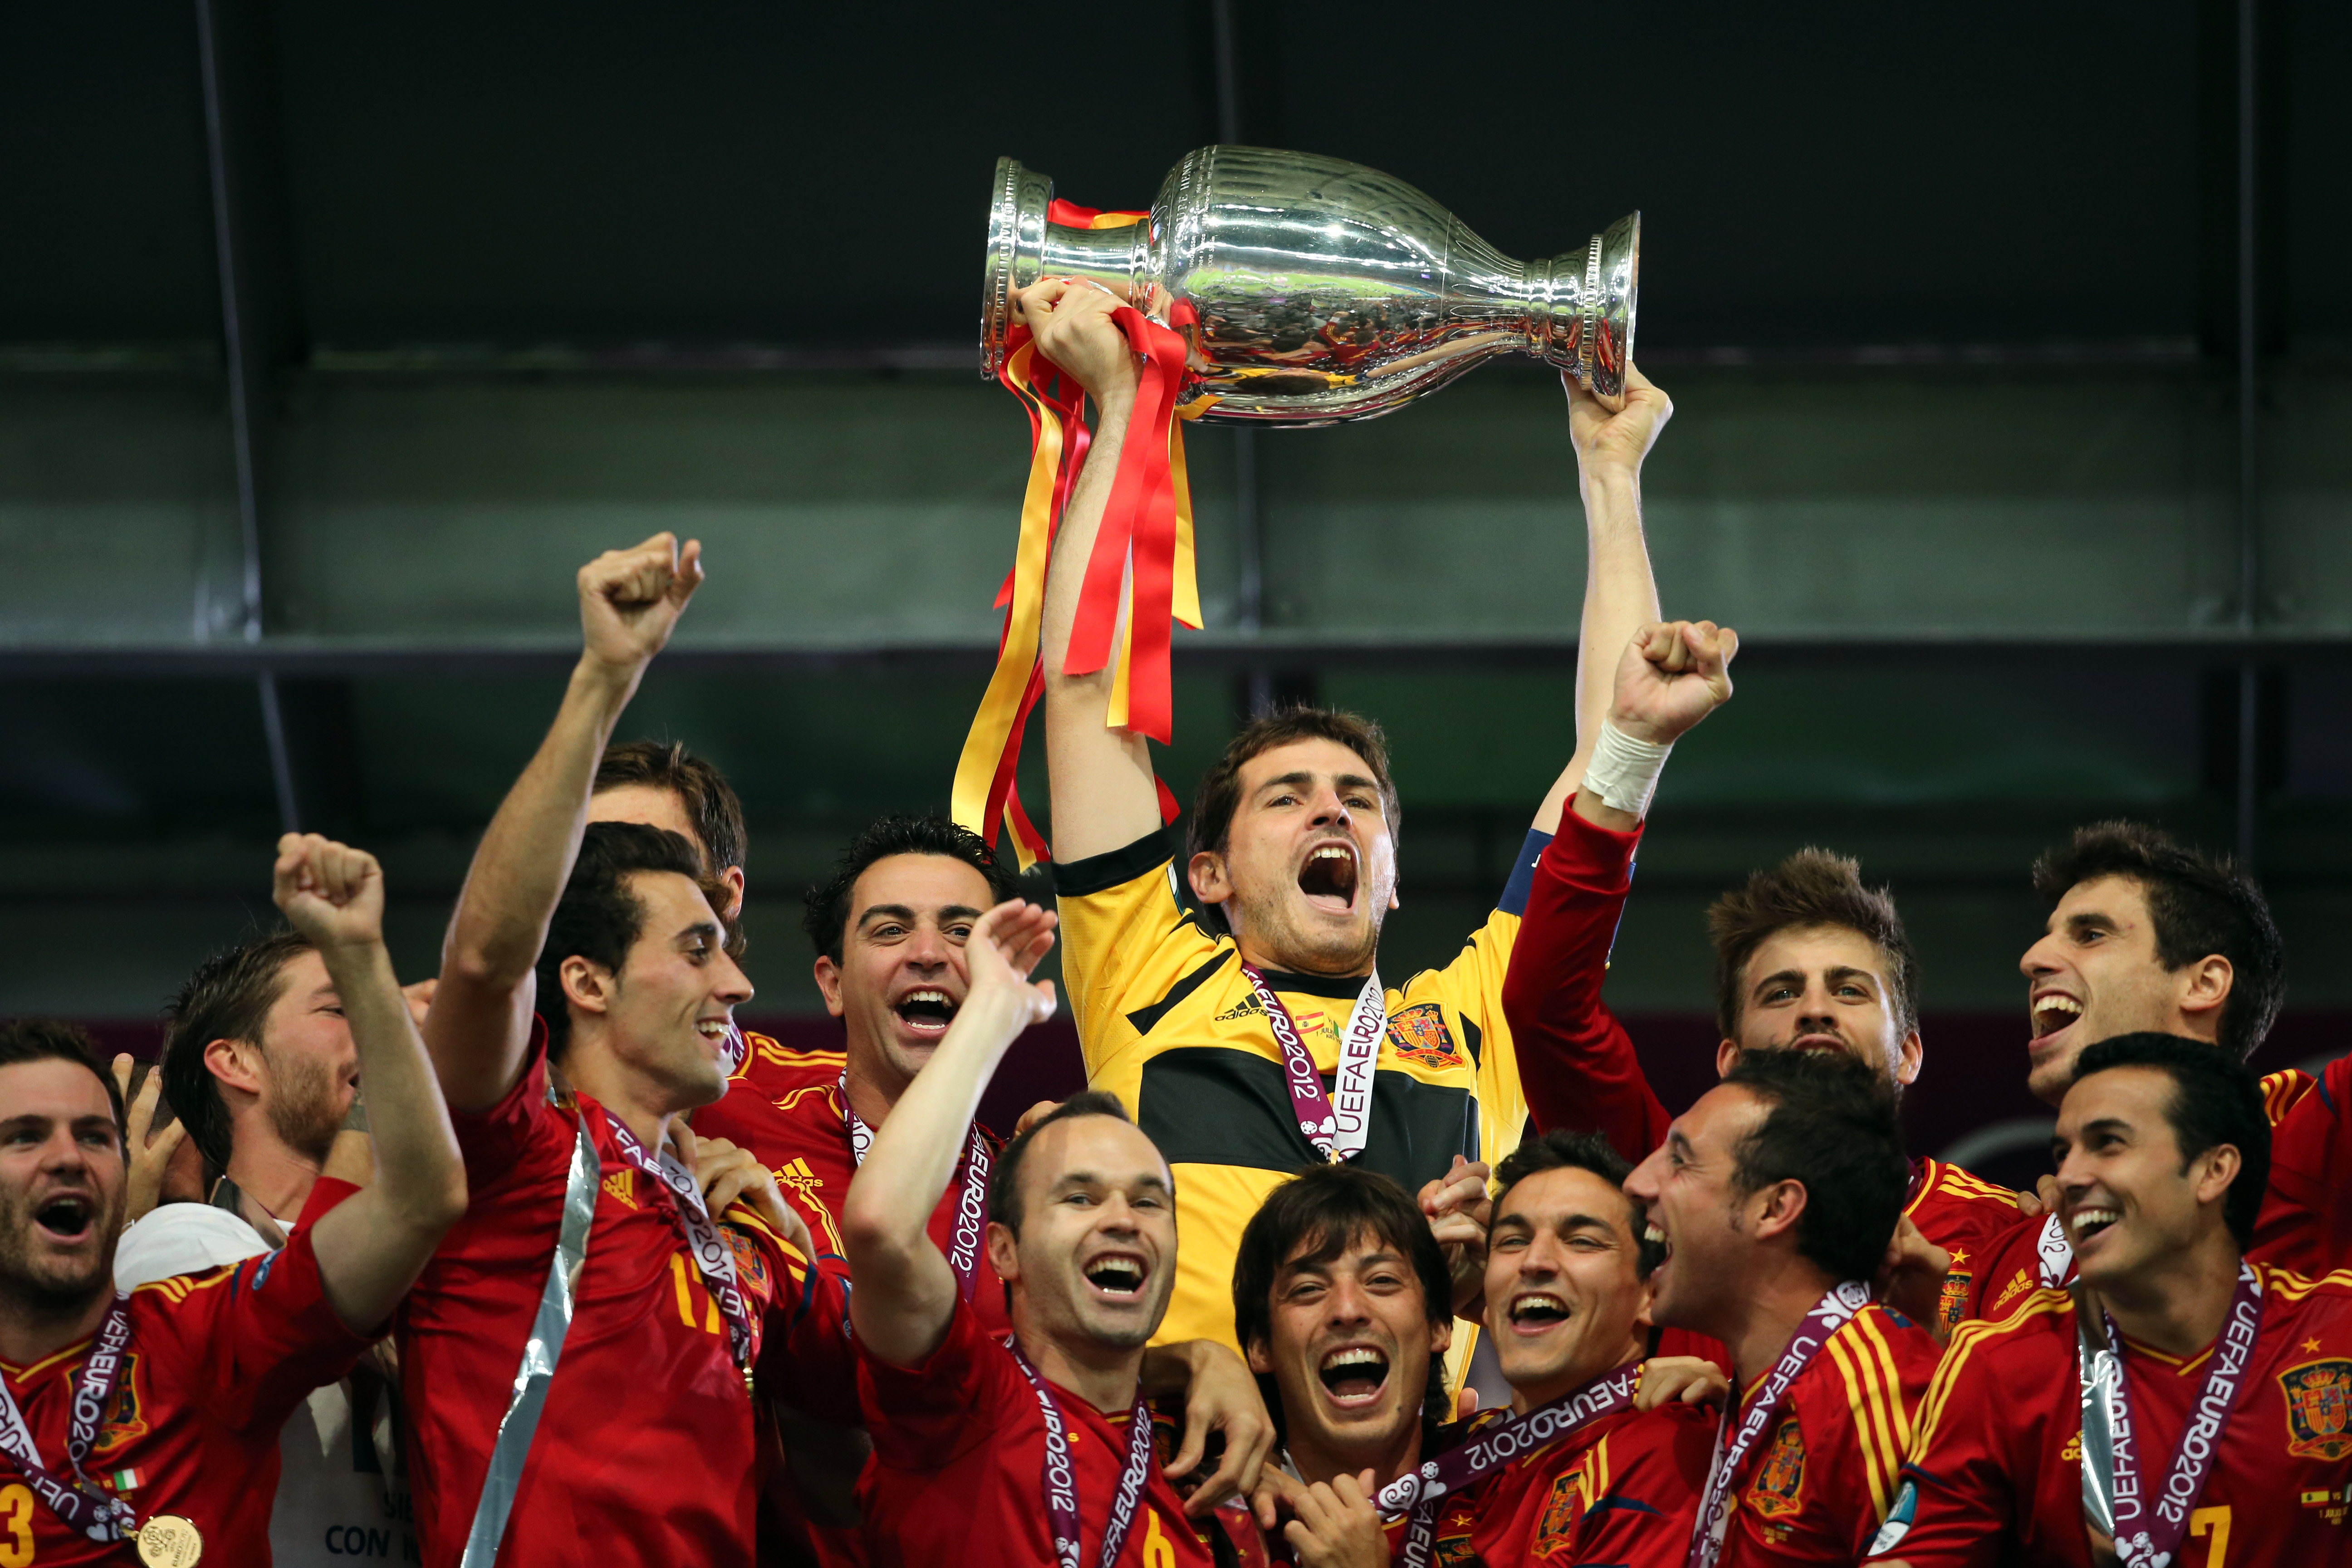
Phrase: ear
x=1907 y=1064
x=2216 y=1169
x=828 y=981
x=1776 y=1209
x=1206 y=871
x=236 y=1064
x=732 y=877
x=1727 y=1056
x=587 y=984
x=1440 y=1336
x=2204 y=988
x=1643 y=1321
x=1261 y=1357
x=1003 y=1252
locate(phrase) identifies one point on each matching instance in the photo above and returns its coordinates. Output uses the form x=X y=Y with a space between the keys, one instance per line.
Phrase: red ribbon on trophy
x=1138 y=581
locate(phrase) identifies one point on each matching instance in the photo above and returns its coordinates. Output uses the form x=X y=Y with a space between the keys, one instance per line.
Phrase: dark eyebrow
x=894 y=911
x=1680 y=1141
x=1300 y=777
x=960 y=912
x=2082 y=919
x=701 y=930
x=1589 y=1222
x=1779 y=975
x=1089 y=1179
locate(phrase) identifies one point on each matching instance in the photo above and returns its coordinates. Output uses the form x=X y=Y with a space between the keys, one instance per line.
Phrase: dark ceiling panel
x=1837 y=173
x=2315 y=171
x=103 y=194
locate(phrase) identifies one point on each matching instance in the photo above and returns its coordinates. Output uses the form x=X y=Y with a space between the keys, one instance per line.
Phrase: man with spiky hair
x=2145 y=934
x=1807 y=957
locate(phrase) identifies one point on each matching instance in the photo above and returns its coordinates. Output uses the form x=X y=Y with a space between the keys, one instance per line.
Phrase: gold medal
x=167 y=1540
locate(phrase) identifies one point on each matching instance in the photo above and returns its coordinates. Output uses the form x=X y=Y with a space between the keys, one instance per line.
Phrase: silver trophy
x=1324 y=290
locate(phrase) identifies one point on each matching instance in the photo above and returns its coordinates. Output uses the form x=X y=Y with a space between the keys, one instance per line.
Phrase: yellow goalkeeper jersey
x=1169 y=1024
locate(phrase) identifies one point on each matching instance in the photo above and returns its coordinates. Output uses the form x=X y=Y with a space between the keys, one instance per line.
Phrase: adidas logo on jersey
x=1247 y=1007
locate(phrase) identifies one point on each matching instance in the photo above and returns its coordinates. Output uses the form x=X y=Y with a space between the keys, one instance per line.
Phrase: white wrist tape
x=1623 y=771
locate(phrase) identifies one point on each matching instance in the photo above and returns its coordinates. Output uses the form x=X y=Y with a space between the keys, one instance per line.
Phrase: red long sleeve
x=1576 y=1062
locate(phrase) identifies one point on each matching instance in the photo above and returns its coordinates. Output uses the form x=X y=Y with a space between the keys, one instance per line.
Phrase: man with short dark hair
x=1807 y=957
x=1235 y=1000
x=663 y=785
x=578 y=1359
x=155 y=1414
x=2145 y=934
x=1590 y=1463
x=1343 y=1303
x=990 y=1451
x=2220 y=1385
x=1775 y=1197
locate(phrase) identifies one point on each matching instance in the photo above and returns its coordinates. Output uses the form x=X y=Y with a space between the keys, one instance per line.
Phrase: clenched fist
x=332 y=892
x=630 y=599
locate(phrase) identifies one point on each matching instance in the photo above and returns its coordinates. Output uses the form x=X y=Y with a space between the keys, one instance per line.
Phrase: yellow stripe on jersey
x=1961 y=1184
x=2282 y=1090
x=2291 y=1287
x=1866 y=1397
x=1965 y=1339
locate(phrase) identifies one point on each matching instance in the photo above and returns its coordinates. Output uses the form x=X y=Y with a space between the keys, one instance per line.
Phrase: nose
x=1347 y=1304
x=2038 y=961
x=1329 y=809
x=734 y=987
x=1642 y=1184
x=930 y=950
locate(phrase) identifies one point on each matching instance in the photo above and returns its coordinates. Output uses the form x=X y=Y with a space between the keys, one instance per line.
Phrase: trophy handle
x=1017 y=228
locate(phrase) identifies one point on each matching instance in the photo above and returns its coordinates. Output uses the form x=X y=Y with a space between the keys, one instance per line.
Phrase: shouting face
x=1823 y=988
x=1350 y=1339
x=1096 y=1256
x=1309 y=869
x=61 y=1185
x=1565 y=1296
x=2095 y=973
x=664 y=1014
x=2126 y=1197
x=1694 y=1207
x=901 y=976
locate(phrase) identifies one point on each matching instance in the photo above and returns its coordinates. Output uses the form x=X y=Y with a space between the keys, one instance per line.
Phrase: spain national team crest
x=125 y=1421
x=1455 y=1548
x=750 y=1267
x=1953 y=1305
x=2319 y=1409
x=1419 y=1035
x=1563 y=1511
x=1779 y=1489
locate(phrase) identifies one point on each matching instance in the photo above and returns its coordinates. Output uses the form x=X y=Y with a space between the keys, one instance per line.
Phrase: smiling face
x=1309 y=869
x=664 y=1016
x=61 y=1185
x=1692 y=1204
x=1349 y=1344
x=1823 y=988
x=2127 y=1200
x=1564 y=1298
x=1096 y=1256
x=2095 y=973
x=901 y=976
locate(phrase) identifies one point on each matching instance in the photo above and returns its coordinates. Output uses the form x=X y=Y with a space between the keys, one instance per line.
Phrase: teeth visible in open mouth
x=1330 y=872
x=2051 y=1014
x=711 y=1028
x=67 y=1216
x=1652 y=1234
x=930 y=1005
x=2088 y=1223
x=1116 y=1276
x=1539 y=1308
x=1355 y=1372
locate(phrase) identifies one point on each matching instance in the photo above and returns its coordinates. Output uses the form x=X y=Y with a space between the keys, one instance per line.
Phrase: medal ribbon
x=77 y=1499
x=1061 y=1479
x=2147 y=1532
x=1830 y=1314
x=712 y=1255
x=1497 y=1446
x=2054 y=1254
x=1337 y=1122
x=971 y=1193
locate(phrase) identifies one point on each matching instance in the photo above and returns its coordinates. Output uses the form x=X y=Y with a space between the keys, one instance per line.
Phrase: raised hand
x=150 y=1155
x=1616 y=443
x=1459 y=1207
x=1005 y=945
x=1070 y=321
x=630 y=599
x=1671 y=675
x=332 y=893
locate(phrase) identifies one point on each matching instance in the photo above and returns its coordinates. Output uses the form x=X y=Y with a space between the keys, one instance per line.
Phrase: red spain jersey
x=1968 y=1217
x=643 y=1453
x=217 y=1362
x=1996 y=1464
x=784 y=1106
x=1624 y=1490
x=957 y=1471
x=2305 y=1224
x=1819 y=1483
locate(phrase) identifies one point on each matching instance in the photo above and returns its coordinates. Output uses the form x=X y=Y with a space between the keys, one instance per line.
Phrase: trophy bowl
x=1321 y=290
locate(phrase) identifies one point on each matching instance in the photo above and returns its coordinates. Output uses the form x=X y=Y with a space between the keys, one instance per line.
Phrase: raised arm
x=479 y=1026
x=1619 y=592
x=906 y=1292
x=372 y=1246
x=1102 y=793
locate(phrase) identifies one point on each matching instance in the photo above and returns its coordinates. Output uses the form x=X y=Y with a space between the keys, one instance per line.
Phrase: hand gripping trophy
x=1265 y=288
